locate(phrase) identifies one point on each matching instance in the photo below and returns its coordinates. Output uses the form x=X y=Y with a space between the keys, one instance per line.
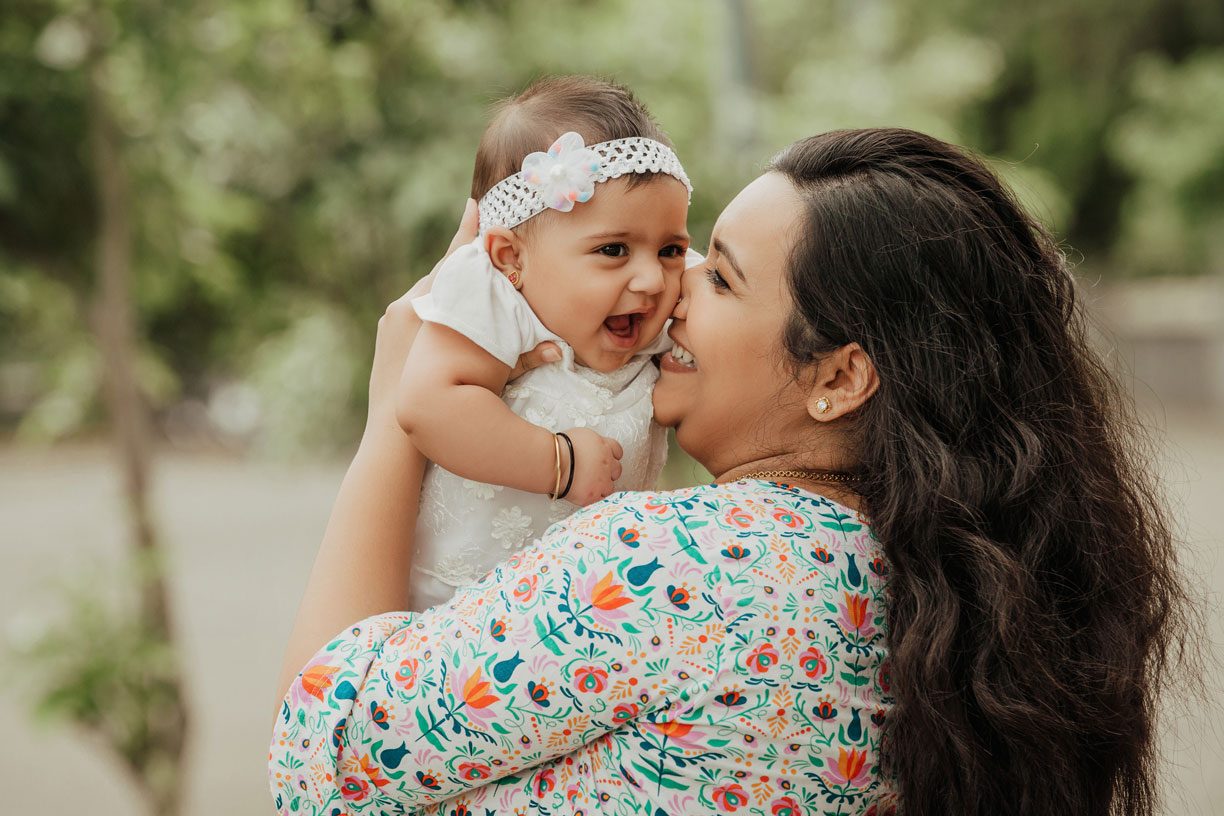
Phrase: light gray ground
x=243 y=536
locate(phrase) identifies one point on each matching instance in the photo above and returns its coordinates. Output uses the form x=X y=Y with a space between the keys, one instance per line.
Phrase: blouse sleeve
x=470 y=296
x=545 y=654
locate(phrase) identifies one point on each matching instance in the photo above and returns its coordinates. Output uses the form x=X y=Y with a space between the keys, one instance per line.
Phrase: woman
x=879 y=332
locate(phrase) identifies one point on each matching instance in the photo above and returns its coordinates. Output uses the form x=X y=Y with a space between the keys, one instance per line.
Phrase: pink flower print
x=355 y=789
x=854 y=615
x=545 y=781
x=525 y=589
x=738 y=517
x=762 y=658
x=624 y=712
x=884 y=677
x=730 y=797
x=813 y=663
x=786 y=806
x=851 y=769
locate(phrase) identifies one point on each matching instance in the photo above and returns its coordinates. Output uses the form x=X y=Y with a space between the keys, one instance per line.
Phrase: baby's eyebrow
x=675 y=237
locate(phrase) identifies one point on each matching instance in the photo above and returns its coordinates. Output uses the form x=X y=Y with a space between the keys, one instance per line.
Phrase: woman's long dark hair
x=1035 y=603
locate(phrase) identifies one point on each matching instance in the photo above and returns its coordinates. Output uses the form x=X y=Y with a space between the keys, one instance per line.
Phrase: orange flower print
x=851 y=770
x=607 y=595
x=476 y=692
x=673 y=730
x=474 y=771
x=372 y=771
x=789 y=517
x=525 y=589
x=590 y=678
x=678 y=734
x=406 y=674
x=315 y=681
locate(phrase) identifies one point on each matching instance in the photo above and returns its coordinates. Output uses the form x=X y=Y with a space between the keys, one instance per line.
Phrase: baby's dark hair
x=528 y=122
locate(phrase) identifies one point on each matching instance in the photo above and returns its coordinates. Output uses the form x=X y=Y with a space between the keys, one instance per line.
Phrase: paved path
x=242 y=537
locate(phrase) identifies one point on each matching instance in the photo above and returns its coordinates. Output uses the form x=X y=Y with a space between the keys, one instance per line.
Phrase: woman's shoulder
x=741 y=508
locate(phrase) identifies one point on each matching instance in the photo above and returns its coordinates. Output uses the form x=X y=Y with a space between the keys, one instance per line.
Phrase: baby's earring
x=516 y=279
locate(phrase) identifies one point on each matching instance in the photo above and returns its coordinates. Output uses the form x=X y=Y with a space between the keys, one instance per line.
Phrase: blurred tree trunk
x=152 y=747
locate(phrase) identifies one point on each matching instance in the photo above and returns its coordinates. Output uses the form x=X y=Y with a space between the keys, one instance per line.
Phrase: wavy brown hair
x=1035 y=605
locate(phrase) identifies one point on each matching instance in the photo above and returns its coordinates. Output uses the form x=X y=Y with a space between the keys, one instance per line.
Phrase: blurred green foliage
x=295 y=164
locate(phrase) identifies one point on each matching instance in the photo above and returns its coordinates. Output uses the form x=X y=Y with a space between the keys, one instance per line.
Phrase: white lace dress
x=467 y=528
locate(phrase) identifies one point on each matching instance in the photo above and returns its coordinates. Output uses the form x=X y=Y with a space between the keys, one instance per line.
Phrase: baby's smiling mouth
x=624 y=329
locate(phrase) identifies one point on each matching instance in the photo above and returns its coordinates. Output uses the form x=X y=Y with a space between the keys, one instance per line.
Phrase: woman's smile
x=679 y=359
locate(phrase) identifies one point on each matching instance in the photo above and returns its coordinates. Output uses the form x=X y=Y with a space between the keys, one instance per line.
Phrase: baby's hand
x=598 y=465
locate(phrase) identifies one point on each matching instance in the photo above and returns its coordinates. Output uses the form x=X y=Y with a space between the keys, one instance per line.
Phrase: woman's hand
x=398 y=327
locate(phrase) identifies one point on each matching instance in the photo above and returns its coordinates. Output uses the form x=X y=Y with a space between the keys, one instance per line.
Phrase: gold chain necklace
x=814 y=475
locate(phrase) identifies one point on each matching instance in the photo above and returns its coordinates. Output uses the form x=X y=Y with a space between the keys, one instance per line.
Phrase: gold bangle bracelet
x=557 y=485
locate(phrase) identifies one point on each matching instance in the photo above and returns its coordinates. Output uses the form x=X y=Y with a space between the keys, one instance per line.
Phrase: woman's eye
x=716 y=279
x=613 y=250
x=672 y=251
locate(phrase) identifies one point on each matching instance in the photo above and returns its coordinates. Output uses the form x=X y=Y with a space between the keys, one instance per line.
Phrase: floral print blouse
x=717 y=649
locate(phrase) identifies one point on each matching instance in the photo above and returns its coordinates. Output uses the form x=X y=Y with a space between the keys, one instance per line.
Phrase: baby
x=583 y=245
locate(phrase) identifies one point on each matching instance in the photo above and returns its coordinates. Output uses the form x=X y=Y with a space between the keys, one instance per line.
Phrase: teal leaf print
x=640 y=574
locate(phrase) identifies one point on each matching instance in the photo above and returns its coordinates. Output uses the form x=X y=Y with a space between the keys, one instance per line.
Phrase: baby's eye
x=613 y=250
x=672 y=251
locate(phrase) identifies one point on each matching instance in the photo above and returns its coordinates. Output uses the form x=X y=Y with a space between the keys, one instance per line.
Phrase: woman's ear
x=505 y=250
x=845 y=379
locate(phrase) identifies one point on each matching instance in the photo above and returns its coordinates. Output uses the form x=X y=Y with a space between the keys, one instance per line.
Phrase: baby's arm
x=449 y=405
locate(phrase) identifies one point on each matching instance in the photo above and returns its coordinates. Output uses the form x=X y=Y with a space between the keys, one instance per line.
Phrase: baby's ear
x=505 y=250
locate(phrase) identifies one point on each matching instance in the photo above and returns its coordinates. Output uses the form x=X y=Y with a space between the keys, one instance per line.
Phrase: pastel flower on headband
x=565 y=175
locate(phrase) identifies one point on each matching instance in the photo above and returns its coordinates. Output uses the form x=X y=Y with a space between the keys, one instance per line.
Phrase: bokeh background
x=205 y=206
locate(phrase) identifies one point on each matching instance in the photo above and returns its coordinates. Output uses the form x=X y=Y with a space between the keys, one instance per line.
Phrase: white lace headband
x=567 y=175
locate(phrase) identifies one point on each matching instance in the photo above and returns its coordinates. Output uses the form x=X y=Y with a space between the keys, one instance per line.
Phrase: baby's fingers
x=616 y=471
x=615 y=447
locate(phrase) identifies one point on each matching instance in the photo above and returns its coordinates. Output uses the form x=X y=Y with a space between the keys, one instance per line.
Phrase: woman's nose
x=680 y=312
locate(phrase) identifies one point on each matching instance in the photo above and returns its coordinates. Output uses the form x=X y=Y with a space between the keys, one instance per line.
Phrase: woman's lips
x=679 y=360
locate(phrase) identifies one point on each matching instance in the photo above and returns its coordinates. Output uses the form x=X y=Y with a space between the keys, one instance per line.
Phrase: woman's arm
x=363 y=561
x=548 y=653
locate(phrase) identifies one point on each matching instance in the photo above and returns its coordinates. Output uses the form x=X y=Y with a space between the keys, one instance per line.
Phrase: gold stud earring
x=516 y=280
x=823 y=406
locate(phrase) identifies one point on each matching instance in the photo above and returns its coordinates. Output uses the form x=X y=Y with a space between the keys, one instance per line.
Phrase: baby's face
x=606 y=275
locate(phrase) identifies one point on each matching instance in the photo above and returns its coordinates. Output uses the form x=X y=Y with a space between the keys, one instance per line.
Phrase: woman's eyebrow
x=725 y=252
